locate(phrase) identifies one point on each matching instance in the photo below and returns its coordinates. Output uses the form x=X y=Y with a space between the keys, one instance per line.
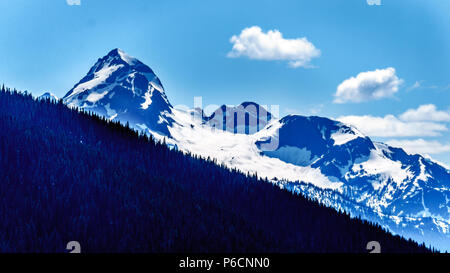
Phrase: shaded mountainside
x=67 y=175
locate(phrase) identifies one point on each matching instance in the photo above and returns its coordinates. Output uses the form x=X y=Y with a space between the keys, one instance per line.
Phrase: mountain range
x=322 y=159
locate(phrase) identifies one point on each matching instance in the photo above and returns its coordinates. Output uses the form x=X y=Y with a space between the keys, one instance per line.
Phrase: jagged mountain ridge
x=326 y=154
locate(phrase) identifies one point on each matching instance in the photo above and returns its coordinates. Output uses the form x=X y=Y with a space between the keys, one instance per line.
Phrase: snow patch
x=99 y=77
x=111 y=114
x=148 y=100
x=385 y=168
x=127 y=58
x=344 y=135
x=94 y=97
x=342 y=138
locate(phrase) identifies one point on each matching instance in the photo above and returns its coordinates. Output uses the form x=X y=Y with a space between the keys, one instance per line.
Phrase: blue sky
x=403 y=45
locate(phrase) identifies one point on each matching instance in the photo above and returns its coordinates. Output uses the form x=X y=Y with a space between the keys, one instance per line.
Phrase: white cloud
x=255 y=44
x=420 y=146
x=370 y=85
x=73 y=2
x=374 y=2
x=424 y=121
x=391 y=126
x=426 y=112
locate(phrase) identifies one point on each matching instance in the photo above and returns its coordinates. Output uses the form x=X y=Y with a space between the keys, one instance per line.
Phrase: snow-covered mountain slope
x=337 y=165
x=237 y=151
x=405 y=191
x=324 y=159
x=122 y=88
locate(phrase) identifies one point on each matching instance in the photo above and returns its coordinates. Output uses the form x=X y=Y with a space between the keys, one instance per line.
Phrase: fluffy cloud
x=420 y=146
x=426 y=112
x=371 y=85
x=253 y=43
x=73 y=2
x=425 y=121
x=391 y=126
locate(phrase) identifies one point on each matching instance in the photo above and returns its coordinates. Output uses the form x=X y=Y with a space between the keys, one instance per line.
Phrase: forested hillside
x=67 y=175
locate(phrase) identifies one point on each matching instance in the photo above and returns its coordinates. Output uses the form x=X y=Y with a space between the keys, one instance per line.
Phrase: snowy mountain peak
x=124 y=56
x=121 y=87
x=118 y=56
